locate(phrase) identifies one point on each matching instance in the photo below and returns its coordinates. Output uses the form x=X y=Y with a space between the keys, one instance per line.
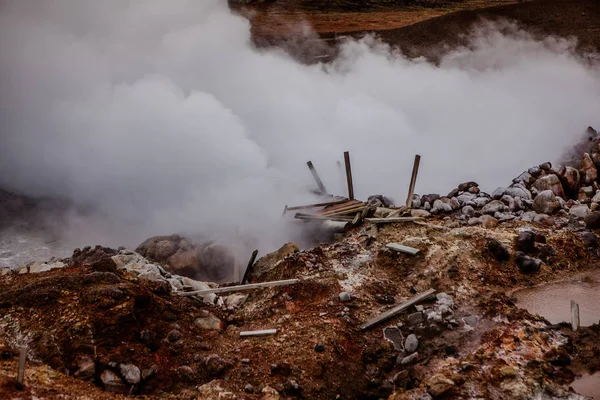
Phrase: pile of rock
x=532 y=196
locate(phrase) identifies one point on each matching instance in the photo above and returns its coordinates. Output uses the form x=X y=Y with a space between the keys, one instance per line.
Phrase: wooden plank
x=313 y=171
x=240 y=287
x=21 y=371
x=346 y=204
x=322 y=217
x=285 y=210
x=263 y=332
x=397 y=309
x=574 y=315
x=350 y=210
x=402 y=249
x=357 y=219
x=316 y=205
x=349 y=175
x=250 y=266
x=413 y=181
x=392 y=220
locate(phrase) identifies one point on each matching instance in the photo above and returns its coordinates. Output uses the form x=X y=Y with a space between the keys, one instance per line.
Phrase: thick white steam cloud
x=164 y=117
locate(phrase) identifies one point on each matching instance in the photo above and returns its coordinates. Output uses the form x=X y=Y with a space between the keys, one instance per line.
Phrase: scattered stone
x=474 y=221
x=438 y=384
x=394 y=335
x=493 y=207
x=419 y=213
x=248 y=388
x=214 y=390
x=592 y=221
x=545 y=202
x=112 y=382
x=480 y=201
x=508 y=372
x=408 y=359
x=497 y=250
x=236 y=300
x=525 y=242
x=579 y=211
x=570 y=180
x=550 y=182
x=526 y=264
x=131 y=373
x=518 y=190
x=292 y=387
x=441 y=207
x=471 y=320
x=414 y=319
x=320 y=347
x=411 y=344
x=465 y=186
x=345 y=297
x=589 y=173
x=185 y=373
x=209 y=323
x=215 y=364
x=498 y=193
x=468 y=211
x=174 y=336
x=489 y=222
x=589 y=239
x=86 y=368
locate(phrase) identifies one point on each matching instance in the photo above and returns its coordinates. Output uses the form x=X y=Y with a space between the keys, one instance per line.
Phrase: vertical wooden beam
x=349 y=175
x=313 y=171
x=413 y=181
x=249 y=267
x=574 y=315
x=21 y=372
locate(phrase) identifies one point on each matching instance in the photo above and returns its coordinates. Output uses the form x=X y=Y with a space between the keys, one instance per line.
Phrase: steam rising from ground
x=163 y=116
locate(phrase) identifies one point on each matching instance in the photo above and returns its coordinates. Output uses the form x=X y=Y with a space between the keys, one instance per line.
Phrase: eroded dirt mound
x=130 y=335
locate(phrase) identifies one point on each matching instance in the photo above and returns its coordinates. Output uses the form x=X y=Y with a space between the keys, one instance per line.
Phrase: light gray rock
x=579 y=211
x=86 y=368
x=441 y=207
x=541 y=218
x=471 y=320
x=518 y=191
x=209 y=322
x=528 y=216
x=481 y=201
x=152 y=276
x=465 y=198
x=443 y=298
x=596 y=198
x=209 y=298
x=409 y=359
x=503 y=217
x=545 y=202
x=524 y=178
x=498 y=193
x=236 y=300
x=427 y=206
x=493 y=207
x=468 y=211
x=419 y=213
x=411 y=344
x=131 y=373
x=345 y=297
x=474 y=221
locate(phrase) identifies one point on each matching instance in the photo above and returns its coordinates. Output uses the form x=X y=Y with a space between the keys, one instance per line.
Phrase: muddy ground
x=82 y=321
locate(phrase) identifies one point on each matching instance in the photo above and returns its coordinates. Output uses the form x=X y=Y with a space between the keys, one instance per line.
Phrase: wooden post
x=249 y=267
x=313 y=171
x=349 y=175
x=21 y=372
x=574 y=315
x=413 y=181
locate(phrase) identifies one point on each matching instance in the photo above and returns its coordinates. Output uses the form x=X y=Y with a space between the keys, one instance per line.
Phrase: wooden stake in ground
x=249 y=267
x=396 y=310
x=413 y=181
x=313 y=171
x=21 y=372
x=574 y=315
x=349 y=175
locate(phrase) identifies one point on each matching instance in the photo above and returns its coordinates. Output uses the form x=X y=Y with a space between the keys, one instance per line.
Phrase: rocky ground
x=107 y=320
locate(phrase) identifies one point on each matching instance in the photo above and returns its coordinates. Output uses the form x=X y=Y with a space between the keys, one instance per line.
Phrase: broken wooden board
x=398 y=309
x=317 y=205
x=402 y=249
x=322 y=217
x=239 y=287
x=391 y=220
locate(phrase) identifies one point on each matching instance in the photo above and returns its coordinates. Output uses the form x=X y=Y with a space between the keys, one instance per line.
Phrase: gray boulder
x=545 y=202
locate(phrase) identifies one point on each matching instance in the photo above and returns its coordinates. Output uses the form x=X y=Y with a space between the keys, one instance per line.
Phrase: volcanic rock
x=592 y=221
x=525 y=242
x=215 y=365
x=498 y=251
x=589 y=172
x=411 y=344
x=488 y=221
x=209 y=322
x=438 y=384
x=498 y=193
x=550 y=182
x=465 y=186
x=545 y=202
x=441 y=207
x=112 y=382
x=271 y=260
x=493 y=207
x=570 y=180
x=579 y=211
x=131 y=373
x=518 y=191
x=526 y=264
